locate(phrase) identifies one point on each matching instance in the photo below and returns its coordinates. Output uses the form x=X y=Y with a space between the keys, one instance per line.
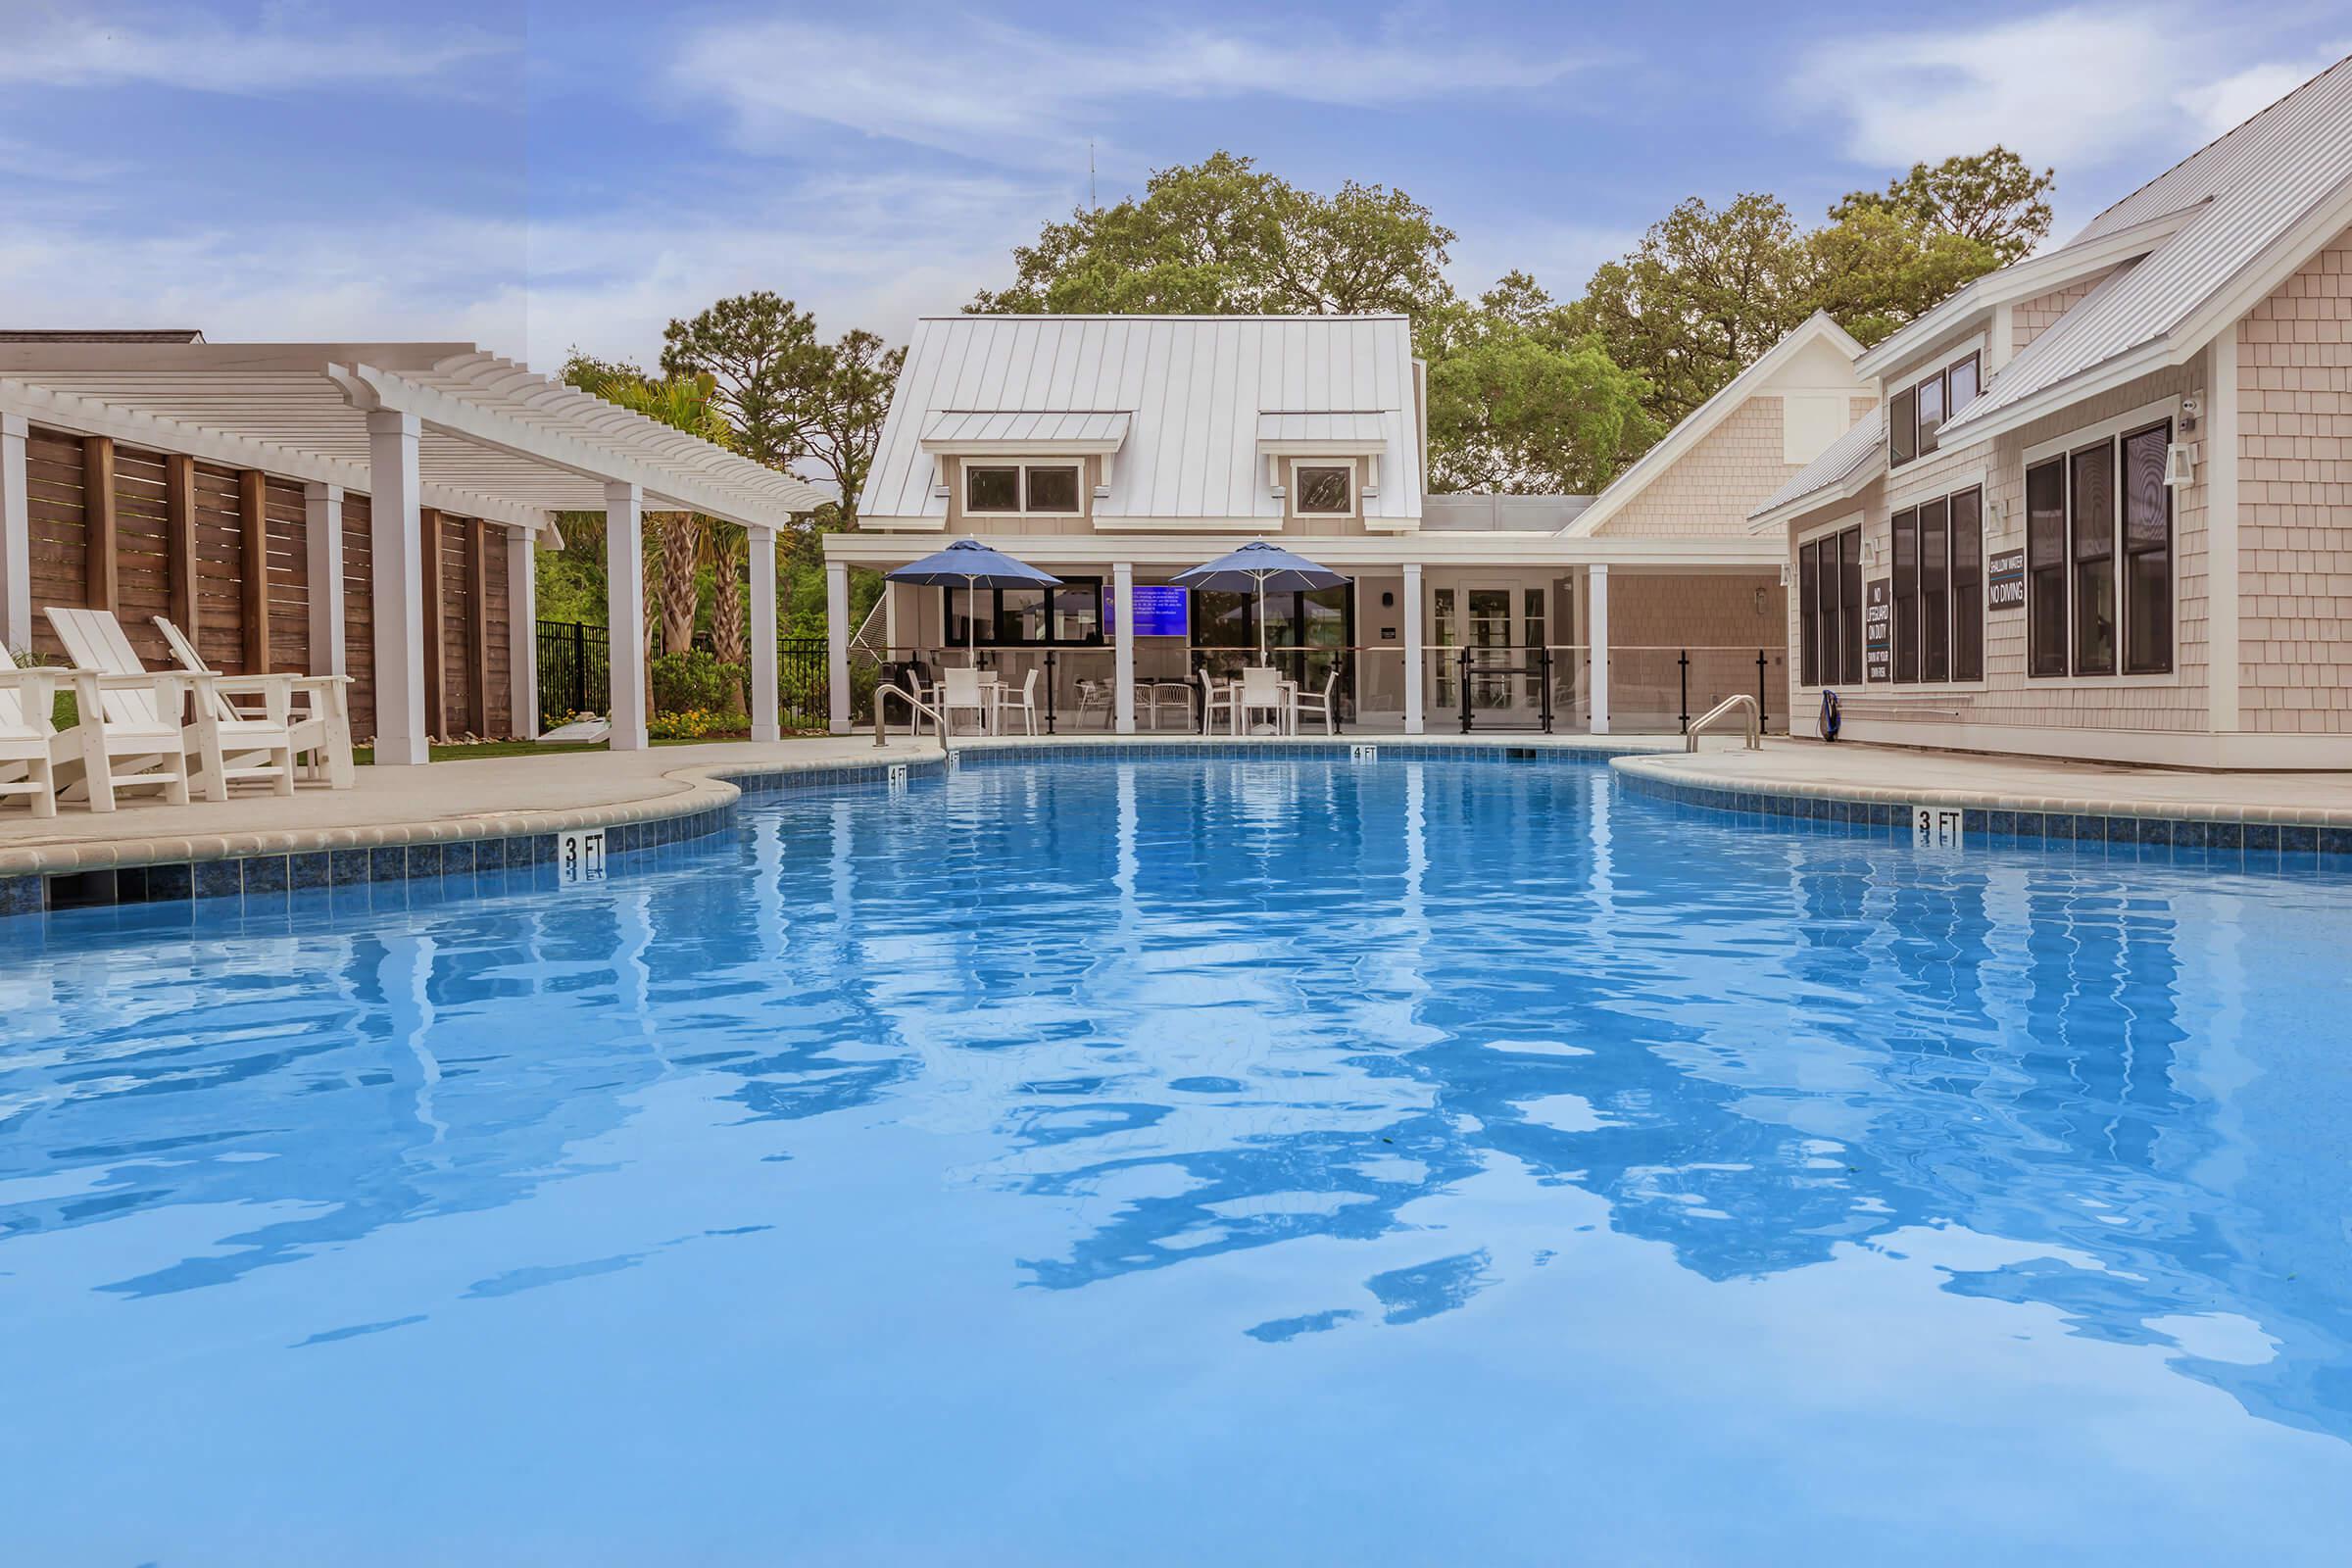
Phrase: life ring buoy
x=1829 y=716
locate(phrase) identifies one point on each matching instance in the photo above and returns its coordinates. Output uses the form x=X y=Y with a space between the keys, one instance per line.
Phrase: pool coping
x=55 y=879
x=2321 y=832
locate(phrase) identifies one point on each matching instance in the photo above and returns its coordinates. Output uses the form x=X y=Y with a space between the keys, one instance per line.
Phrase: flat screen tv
x=1160 y=611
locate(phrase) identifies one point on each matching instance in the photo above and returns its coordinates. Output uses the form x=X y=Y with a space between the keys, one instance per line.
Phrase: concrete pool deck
x=509 y=796
x=1895 y=776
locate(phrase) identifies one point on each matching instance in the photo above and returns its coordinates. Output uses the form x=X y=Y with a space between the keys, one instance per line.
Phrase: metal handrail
x=1739 y=700
x=915 y=705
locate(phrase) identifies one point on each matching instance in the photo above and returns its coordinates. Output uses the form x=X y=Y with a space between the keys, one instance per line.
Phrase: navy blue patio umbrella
x=969 y=564
x=1260 y=566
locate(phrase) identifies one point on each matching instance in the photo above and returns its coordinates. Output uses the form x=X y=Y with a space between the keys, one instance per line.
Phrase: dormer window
x=1021 y=489
x=1915 y=415
x=1326 y=491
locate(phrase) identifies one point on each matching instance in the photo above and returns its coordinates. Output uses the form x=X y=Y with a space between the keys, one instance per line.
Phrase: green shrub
x=687 y=724
x=696 y=681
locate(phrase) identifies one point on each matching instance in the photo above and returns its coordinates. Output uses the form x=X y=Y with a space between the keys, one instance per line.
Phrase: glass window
x=1326 y=491
x=1808 y=615
x=1532 y=617
x=1902 y=428
x=960 y=607
x=2090 y=536
x=2148 y=554
x=1906 y=596
x=1053 y=489
x=1078 y=611
x=2045 y=566
x=1931 y=413
x=1936 y=591
x=1962 y=379
x=1849 y=602
x=1021 y=615
x=1968 y=585
x=992 y=489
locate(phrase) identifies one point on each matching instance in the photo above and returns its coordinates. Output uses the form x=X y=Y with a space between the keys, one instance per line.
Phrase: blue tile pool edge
x=2219 y=842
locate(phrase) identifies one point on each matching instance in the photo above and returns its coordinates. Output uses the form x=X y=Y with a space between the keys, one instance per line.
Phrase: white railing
x=1744 y=705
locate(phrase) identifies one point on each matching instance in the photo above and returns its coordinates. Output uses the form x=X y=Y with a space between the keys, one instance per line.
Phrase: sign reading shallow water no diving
x=2005 y=582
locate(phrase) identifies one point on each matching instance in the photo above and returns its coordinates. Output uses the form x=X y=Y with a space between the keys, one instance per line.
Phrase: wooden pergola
x=364 y=510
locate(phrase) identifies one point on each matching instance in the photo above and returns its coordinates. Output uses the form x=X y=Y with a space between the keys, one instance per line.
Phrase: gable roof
x=1844 y=468
x=2259 y=202
x=1193 y=391
x=1695 y=425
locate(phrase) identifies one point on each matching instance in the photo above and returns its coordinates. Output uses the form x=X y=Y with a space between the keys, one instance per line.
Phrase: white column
x=836 y=646
x=322 y=538
x=395 y=543
x=1597 y=613
x=1413 y=657
x=760 y=548
x=624 y=613
x=523 y=628
x=15 y=538
x=1122 y=644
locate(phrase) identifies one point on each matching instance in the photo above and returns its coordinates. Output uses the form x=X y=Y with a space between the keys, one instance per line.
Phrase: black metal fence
x=576 y=675
x=576 y=670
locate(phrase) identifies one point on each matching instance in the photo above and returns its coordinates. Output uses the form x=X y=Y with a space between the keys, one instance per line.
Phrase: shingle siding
x=1711 y=489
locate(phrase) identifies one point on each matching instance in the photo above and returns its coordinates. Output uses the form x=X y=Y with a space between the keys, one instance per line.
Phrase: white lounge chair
x=230 y=747
x=31 y=743
x=96 y=758
x=1262 y=693
x=1311 y=704
x=321 y=726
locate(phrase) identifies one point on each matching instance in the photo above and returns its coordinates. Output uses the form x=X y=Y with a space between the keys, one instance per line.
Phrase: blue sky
x=537 y=175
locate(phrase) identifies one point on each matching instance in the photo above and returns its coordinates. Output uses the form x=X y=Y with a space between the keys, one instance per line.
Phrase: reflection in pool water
x=1278 y=1161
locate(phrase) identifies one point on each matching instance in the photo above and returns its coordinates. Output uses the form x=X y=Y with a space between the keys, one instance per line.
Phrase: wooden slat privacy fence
x=224 y=553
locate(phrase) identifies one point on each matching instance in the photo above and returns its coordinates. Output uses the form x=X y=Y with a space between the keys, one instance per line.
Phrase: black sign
x=2005 y=582
x=1877 y=631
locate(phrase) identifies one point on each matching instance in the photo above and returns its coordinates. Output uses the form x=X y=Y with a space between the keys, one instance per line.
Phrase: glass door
x=1444 y=635
x=1487 y=614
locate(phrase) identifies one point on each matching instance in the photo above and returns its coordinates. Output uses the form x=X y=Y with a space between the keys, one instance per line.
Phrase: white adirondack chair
x=229 y=750
x=31 y=745
x=321 y=726
x=97 y=758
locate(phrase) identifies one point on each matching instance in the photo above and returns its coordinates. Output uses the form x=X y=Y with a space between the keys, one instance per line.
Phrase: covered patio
x=371 y=511
x=1442 y=633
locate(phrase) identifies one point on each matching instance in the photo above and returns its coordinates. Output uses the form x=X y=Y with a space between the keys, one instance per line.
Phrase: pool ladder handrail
x=915 y=705
x=1746 y=705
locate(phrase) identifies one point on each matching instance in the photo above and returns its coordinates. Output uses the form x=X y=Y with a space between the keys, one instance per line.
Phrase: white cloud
x=2074 y=87
x=66 y=45
x=1018 y=96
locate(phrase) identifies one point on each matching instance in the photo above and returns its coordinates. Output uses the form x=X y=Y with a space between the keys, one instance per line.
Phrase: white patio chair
x=962 y=691
x=30 y=743
x=1214 y=697
x=229 y=750
x=321 y=728
x=1262 y=693
x=1310 y=705
x=1097 y=694
x=120 y=739
x=1025 y=703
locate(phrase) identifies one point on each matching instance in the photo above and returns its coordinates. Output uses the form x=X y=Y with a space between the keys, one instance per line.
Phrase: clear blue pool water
x=1182 y=1161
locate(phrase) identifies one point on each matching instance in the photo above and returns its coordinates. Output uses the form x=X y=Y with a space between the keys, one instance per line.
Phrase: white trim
x=1839 y=524
x=2147 y=414
x=759 y=560
x=323 y=540
x=837 y=648
x=2030 y=279
x=395 y=544
x=522 y=632
x=1596 y=637
x=1122 y=651
x=2224 y=651
x=16 y=536
x=1416 y=659
x=1731 y=554
x=624 y=615
x=1702 y=420
x=1934 y=487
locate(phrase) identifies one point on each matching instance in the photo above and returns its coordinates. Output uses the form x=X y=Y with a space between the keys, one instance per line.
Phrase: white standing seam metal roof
x=496 y=440
x=1853 y=455
x=2257 y=190
x=1080 y=426
x=1358 y=425
x=1193 y=387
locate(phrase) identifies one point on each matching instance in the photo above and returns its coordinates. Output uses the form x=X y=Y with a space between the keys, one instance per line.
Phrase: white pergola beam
x=396 y=540
x=522 y=630
x=322 y=539
x=624 y=613
x=15 y=538
x=837 y=647
x=760 y=549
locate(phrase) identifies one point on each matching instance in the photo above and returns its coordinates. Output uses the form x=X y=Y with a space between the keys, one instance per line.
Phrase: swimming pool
x=1278 y=1161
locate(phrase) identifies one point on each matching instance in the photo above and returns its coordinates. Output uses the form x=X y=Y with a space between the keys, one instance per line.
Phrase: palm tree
x=685 y=403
